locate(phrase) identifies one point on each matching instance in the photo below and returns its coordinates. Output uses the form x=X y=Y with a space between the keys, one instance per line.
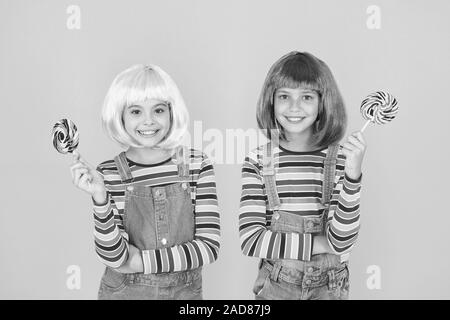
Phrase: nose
x=148 y=120
x=296 y=104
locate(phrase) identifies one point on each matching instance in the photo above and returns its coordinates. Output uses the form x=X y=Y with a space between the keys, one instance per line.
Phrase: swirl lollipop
x=65 y=136
x=65 y=140
x=379 y=107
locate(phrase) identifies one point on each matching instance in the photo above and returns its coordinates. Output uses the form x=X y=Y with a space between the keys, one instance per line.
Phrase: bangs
x=299 y=71
x=145 y=85
x=286 y=82
x=137 y=84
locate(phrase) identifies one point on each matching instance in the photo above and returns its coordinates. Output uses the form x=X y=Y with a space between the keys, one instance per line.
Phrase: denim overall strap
x=123 y=168
x=329 y=172
x=268 y=172
x=182 y=161
x=304 y=224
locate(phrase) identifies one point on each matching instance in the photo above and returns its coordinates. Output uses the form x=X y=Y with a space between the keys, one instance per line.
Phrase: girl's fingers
x=90 y=178
x=76 y=166
x=356 y=142
x=346 y=152
x=84 y=180
x=74 y=169
x=86 y=163
x=76 y=178
x=349 y=146
x=81 y=165
x=83 y=171
x=77 y=175
x=359 y=135
x=77 y=158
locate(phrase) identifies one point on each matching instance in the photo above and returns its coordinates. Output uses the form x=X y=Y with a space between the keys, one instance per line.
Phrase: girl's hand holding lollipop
x=84 y=176
x=354 y=149
x=379 y=107
x=87 y=178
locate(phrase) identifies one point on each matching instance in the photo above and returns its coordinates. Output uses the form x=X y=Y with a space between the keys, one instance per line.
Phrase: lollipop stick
x=365 y=125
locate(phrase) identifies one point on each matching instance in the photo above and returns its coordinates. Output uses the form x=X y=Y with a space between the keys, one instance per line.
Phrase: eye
x=282 y=96
x=309 y=97
x=135 y=112
x=161 y=108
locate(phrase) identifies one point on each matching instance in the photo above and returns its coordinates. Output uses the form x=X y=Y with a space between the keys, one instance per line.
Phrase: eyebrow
x=311 y=91
x=302 y=90
x=161 y=103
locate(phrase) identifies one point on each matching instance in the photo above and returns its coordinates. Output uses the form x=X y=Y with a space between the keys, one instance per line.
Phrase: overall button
x=184 y=185
x=310 y=269
x=276 y=216
x=164 y=241
x=308 y=282
x=158 y=193
x=310 y=224
x=130 y=188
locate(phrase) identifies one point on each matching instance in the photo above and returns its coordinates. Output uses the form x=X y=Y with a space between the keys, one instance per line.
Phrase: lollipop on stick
x=379 y=107
x=65 y=137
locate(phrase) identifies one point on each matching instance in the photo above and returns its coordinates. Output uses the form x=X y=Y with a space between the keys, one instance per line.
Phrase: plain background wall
x=219 y=52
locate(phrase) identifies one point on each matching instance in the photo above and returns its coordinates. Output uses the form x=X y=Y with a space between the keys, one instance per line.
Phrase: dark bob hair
x=297 y=69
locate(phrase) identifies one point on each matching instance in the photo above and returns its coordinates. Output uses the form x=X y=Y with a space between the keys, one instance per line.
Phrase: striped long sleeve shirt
x=111 y=239
x=299 y=177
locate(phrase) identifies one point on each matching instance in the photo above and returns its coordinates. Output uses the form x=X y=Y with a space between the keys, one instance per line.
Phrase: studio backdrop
x=58 y=58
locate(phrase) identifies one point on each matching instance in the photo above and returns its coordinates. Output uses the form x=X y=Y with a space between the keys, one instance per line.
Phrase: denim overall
x=155 y=218
x=324 y=276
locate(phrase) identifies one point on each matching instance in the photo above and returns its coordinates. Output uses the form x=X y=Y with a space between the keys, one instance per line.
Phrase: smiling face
x=147 y=122
x=296 y=110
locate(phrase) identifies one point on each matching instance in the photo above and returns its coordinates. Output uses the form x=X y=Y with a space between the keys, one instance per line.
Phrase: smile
x=295 y=119
x=147 y=133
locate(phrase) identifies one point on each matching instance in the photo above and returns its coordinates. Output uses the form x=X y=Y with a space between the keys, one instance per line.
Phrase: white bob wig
x=136 y=84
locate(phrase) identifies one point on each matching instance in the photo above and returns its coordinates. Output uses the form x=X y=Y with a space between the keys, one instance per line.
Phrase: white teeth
x=147 y=133
x=294 y=118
